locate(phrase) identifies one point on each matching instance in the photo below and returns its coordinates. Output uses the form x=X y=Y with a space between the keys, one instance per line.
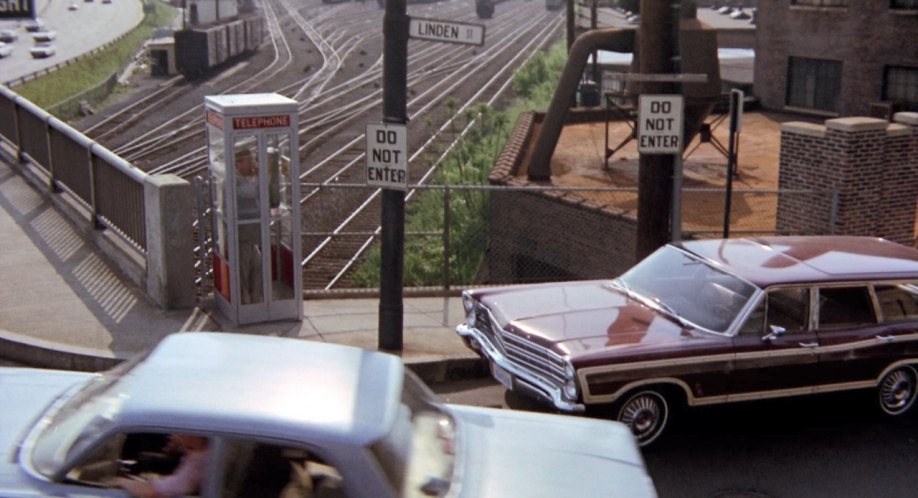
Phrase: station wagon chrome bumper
x=513 y=376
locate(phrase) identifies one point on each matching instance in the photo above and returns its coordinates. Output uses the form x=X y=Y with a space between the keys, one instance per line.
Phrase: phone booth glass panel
x=253 y=167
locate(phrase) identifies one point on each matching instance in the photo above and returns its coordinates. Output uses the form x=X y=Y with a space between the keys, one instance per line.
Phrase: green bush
x=469 y=163
x=94 y=69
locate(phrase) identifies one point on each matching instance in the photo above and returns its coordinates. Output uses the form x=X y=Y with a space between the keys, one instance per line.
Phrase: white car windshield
x=72 y=427
x=688 y=289
x=417 y=453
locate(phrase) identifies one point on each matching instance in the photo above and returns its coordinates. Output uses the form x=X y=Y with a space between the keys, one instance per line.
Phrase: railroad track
x=332 y=251
x=339 y=92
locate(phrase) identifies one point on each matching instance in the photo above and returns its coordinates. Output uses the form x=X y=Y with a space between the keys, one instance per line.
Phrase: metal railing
x=458 y=236
x=109 y=187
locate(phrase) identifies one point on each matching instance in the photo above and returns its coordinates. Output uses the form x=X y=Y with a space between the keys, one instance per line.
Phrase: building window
x=903 y=4
x=822 y=3
x=814 y=83
x=900 y=84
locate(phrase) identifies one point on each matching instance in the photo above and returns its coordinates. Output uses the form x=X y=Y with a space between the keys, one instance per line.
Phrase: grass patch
x=469 y=163
x=92 y=70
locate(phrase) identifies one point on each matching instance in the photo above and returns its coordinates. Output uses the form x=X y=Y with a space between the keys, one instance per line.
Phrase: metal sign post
x=387 y=152
x=736 y=122
x=660 y=131
x=395 y=112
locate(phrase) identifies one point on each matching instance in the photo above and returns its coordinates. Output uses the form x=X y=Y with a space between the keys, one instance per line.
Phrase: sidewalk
x=63 y=306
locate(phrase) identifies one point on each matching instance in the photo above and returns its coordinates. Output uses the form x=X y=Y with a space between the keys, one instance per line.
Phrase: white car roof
x=268 y=386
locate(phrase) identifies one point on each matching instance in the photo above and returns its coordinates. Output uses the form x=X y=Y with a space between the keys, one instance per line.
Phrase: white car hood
x=507 y=453
x=26 y=393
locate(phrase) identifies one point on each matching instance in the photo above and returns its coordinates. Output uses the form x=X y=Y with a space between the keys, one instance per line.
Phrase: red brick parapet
x=871 y=164
x=507 y=165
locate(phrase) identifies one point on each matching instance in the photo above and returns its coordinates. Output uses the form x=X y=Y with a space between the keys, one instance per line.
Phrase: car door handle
x=809 y=344
x=886 y=338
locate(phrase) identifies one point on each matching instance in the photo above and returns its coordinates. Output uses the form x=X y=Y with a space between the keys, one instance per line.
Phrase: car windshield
x=70 y=428
x=688 y=289
x=417 y=453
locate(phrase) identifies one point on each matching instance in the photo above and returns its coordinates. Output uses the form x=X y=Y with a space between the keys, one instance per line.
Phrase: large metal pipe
x=614 y=39
x=698 y=51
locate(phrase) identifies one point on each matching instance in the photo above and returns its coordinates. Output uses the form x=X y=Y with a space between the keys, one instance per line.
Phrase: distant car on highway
x=8 y=35
x=33 y=25
x=5 y=49
x=42 y=50
x=706 y=322
x=44 y=35
x=284 y=415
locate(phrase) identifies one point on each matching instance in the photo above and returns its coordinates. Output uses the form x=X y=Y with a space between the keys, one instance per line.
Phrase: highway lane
x=91 y=25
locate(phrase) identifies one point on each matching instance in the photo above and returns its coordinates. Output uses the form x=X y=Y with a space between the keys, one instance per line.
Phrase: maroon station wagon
x=710 y=321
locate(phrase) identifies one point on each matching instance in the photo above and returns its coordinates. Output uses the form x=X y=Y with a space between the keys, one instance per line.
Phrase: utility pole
x=571 y=35
x=395 y=110
x=656 y=46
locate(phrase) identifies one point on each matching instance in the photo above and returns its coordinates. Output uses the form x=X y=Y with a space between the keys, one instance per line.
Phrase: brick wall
x=873 y=166
x=561 y=234
x=865 y=37
x=550 y=235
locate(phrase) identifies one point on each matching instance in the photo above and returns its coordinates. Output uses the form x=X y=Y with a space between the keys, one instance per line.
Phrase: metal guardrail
x=107 y=185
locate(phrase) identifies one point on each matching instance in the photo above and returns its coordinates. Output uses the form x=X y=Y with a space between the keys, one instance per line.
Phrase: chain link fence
x=460 y=236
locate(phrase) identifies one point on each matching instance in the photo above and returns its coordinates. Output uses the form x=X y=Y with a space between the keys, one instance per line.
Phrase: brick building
x=837 y=57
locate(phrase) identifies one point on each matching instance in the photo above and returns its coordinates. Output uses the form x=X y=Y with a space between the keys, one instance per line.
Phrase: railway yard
x=328 y=57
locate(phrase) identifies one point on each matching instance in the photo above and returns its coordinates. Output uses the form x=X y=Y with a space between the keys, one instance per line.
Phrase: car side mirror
x=776 y=331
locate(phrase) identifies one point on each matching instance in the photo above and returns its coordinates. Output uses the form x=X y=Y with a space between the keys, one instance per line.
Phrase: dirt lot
x=578 y=161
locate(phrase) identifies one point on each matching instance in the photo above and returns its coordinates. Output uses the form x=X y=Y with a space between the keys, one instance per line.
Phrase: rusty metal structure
x=698 y=55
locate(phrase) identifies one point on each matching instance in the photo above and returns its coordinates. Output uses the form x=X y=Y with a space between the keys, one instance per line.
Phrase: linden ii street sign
x=17 y=9
x=660 y=124
x=445 y=31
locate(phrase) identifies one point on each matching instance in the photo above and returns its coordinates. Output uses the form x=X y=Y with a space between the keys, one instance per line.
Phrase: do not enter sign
x=660 y=124
x=387 y=161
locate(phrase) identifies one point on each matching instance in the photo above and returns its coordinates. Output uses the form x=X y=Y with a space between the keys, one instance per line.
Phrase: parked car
x=44 y=35
x=710 y=321
x=73 y=6
x=33 y=25
x=42 y=50
x=5 y=49
x=280 y=414
x=8 y=35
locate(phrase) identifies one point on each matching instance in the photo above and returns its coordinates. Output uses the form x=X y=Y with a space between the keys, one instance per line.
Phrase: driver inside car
x=187 y=478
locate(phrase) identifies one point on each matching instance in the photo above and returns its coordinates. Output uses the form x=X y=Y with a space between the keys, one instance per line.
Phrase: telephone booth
x=254 y=169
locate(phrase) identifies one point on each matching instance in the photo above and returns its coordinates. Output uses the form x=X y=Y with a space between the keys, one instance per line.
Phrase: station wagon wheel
x=646 y=413
x=897 y=390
